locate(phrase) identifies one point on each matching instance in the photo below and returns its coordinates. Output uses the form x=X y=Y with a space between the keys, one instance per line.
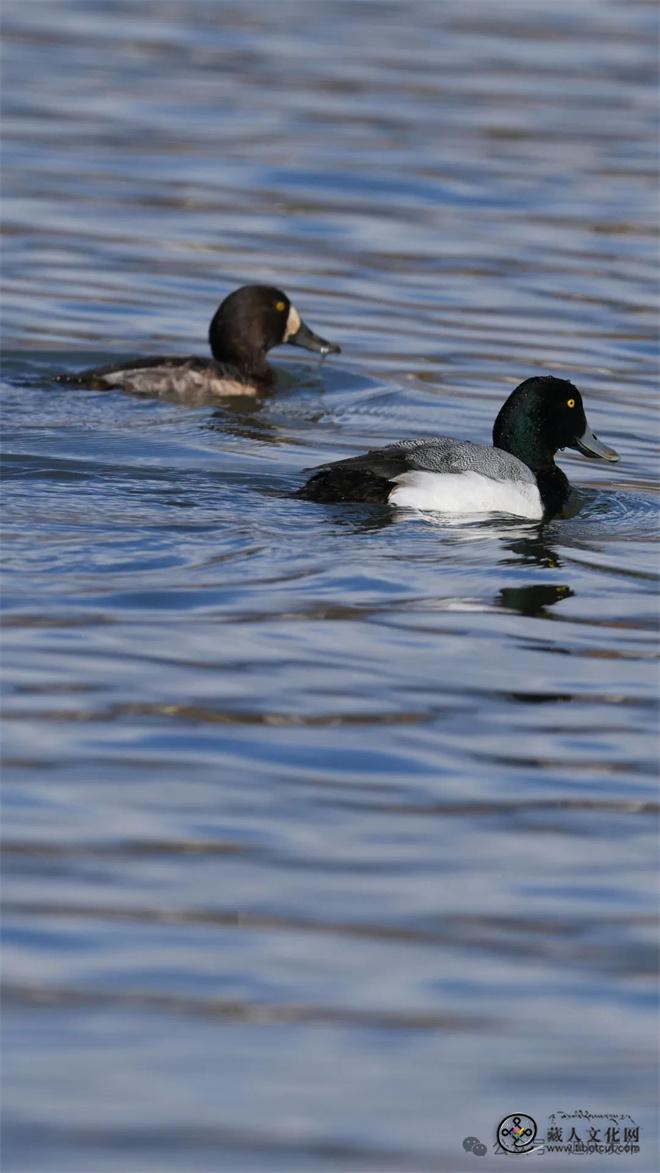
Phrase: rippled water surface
x=328 y=832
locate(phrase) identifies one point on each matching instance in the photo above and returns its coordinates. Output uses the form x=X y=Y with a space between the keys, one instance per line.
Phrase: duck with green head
x=517 y=475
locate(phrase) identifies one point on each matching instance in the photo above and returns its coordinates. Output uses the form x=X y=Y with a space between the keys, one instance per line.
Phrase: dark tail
x=336 y=483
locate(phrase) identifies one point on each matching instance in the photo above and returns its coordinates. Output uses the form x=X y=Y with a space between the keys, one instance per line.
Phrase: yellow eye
x=280 y=305
x=570 y=403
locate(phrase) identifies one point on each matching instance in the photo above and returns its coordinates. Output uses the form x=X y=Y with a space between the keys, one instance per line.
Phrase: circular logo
x=516 y=1133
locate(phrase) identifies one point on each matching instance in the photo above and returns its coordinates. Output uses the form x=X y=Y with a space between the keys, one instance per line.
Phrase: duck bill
x=310 y=341
x=590 y=445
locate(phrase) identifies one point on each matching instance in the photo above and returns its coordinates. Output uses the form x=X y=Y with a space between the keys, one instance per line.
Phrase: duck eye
x=280 y=305
x=570 y=403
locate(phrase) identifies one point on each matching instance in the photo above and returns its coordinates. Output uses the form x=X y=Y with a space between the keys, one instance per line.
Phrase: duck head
x=254 y=319
x=543 y=415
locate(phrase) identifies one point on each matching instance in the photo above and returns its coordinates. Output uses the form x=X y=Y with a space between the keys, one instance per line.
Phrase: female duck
x=518 y=475
x=248 y=323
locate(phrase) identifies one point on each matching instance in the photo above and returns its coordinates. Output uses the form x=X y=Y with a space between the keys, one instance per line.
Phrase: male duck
x=248 y=323
x=518 y=475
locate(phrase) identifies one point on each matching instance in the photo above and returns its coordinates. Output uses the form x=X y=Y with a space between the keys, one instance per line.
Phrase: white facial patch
x=292 y=323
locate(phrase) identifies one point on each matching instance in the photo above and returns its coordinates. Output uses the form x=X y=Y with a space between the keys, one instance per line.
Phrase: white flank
x=465 y=492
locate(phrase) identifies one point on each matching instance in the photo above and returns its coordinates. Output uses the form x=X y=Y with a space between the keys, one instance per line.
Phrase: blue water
x=329 y=833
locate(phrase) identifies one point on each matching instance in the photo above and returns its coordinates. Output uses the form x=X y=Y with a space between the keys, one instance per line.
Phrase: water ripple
x=293 y=790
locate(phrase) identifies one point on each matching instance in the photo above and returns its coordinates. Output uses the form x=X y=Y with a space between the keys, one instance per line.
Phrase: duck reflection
x=242 y=418
x=533 y=549
x=247 y=417
x=533 y=599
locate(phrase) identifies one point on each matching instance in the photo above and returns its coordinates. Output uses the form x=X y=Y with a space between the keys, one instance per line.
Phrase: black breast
x=554 y=489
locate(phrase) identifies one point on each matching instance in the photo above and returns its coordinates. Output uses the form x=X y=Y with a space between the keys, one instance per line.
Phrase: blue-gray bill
x=310 y=341
x=590 y=445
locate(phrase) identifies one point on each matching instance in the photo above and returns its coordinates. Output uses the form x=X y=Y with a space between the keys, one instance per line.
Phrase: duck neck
x=554 y=489
x=250 y=364
x=524 y=442
x=521 y=434
x=237 y=352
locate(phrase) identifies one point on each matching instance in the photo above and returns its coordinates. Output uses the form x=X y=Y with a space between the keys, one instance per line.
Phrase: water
x=329 y=834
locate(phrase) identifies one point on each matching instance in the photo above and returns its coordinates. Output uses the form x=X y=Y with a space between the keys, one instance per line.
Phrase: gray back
x=442 y=454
